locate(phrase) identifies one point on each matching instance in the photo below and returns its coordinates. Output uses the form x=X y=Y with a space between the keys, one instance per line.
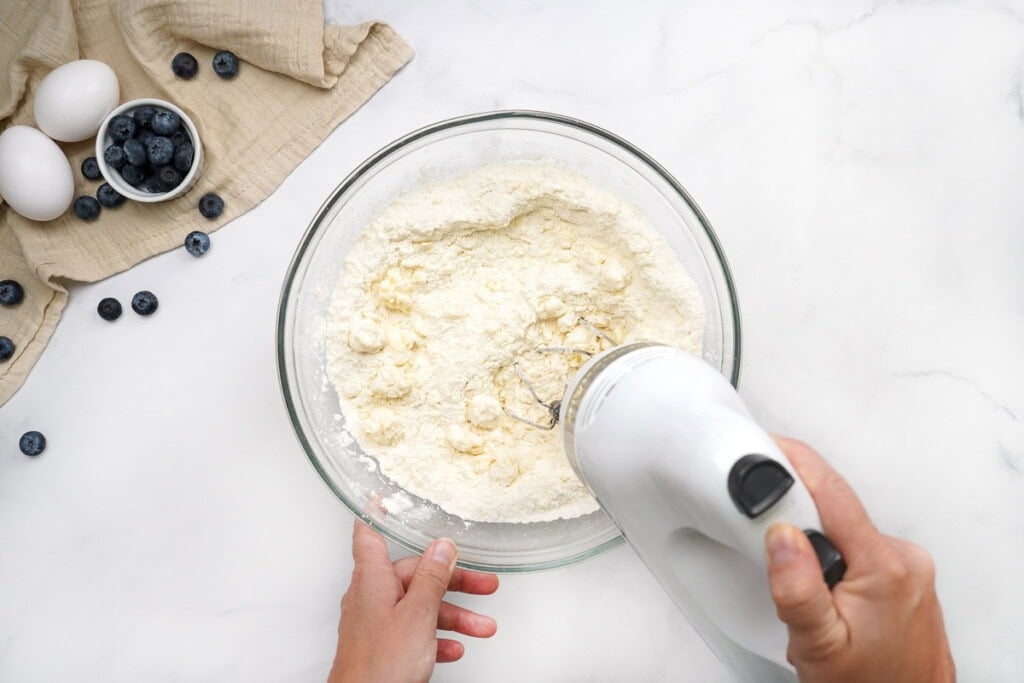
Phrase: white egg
x=72 y=101
x=35 y=176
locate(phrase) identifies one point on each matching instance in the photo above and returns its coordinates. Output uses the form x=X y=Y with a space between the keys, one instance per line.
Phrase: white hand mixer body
x=678 y=463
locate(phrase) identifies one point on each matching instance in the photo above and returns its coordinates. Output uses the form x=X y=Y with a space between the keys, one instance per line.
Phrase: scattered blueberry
x=6 y=348
x=144 y=303
x=179 y=137
x=134 y=152
x=87 y=208
x=144 y=115
x=210 y=205
x=133 y=175
x=109 y=308
x=90 y=169
x=32 y=443
x=114 y=156
x=122 y=127
x=108 y=196
x=11 y=292
x=160 y=151
x=183 y=157
x=168 y=178
x=225 y=64
x=184 y=65
x=165 y=122
x=197 y=243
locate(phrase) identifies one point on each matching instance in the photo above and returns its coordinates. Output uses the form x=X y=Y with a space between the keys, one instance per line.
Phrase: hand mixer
x=676 y=460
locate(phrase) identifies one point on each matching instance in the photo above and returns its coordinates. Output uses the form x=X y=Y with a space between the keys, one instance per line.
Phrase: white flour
x=452 y=284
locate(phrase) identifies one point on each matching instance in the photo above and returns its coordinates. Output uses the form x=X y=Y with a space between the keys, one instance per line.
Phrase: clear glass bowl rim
x=381 y=156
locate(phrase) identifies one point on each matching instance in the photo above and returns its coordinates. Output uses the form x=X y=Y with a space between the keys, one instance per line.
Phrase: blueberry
x=6 y=348
x=145 y=136
x=168 y=178
x=11 y=293
x=165 y=122
x=150 y=185
x=32 y=443
x=87 y=208
x=134 y=152
x=183 y=157
x=160 y=150
x=225 y=64
x=114 y=156
x=184 y=65
x=108 y=196
x=144 y=303
x=90 y=169
x=122 y=127
x=144 y=116
x=197 y=243
x=133 y=175
x=109 y=308
x=210 y=205
x=180 y=137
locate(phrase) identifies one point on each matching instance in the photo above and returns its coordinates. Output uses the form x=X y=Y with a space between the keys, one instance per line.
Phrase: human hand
x=392 y=611
x=882 y=622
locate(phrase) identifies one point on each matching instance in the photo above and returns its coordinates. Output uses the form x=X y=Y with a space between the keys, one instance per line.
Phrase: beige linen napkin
x=298 y=80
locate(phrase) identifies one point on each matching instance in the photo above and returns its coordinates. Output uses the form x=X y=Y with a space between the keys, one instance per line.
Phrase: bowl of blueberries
x=149 y=151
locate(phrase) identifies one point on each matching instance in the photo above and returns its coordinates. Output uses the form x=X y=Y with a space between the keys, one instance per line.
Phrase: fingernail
x=781 y=545
x=442 y=550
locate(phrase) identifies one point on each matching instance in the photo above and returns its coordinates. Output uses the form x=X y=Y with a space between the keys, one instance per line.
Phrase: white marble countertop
x=863 y=165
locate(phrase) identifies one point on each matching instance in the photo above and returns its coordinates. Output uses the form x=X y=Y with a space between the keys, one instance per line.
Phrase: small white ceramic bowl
x=112 y=176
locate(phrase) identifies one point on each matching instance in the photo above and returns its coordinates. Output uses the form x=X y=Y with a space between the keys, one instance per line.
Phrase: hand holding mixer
x=676 y=460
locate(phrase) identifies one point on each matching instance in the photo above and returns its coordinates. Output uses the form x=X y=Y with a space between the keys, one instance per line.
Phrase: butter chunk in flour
x=451 y=285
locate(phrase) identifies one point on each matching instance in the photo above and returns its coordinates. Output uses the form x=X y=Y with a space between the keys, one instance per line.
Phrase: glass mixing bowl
x=434 y=153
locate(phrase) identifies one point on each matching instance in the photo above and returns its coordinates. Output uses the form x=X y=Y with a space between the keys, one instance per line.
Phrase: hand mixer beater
x=677 y=462
x=554 y=406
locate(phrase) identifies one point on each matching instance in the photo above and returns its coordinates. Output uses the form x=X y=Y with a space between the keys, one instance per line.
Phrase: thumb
x=802 y=599
x=430 y=580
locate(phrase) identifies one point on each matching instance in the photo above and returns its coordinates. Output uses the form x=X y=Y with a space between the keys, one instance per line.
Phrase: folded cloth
x=298 y=80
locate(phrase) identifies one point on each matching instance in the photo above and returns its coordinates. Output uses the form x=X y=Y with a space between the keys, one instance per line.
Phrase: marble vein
x=978 y=389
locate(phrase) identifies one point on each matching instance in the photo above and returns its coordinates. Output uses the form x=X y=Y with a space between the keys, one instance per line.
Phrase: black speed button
x=756 y=482
x=832 y=565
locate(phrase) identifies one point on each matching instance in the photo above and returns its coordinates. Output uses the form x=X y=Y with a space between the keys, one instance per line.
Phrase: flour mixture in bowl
x=456 y=293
